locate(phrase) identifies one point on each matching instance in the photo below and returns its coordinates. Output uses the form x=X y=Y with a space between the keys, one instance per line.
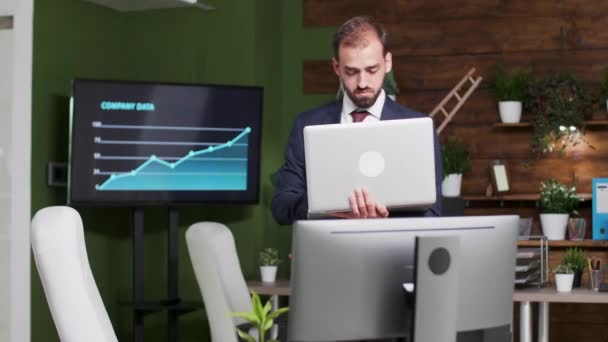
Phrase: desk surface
x=549 y=294
x=278 y=288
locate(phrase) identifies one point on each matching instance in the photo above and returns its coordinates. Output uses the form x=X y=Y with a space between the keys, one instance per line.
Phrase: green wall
x=243 y=42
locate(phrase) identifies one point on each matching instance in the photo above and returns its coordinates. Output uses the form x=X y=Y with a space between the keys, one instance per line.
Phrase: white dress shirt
x=375 y=110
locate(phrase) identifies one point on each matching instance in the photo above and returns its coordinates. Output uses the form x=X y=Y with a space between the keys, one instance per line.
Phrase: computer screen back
x=347 y=276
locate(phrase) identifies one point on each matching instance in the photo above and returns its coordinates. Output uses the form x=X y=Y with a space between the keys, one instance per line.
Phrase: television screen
x=135 y=143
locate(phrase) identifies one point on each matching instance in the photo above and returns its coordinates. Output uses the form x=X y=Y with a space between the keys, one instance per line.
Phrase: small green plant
x=269 y=257
x=559 y=105
x=563 y=269
x=455 y=157
x=575 y=258
x=260 y=318
x=556 y=198
x=510 y=86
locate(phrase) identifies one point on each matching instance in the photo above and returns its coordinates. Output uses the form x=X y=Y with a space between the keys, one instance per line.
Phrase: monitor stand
x=436 y=288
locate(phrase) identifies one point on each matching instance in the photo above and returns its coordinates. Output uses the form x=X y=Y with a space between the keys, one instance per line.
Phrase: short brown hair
x=350 y=32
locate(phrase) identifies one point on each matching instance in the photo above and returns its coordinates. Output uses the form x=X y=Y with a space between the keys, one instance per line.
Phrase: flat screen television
x=144 y=143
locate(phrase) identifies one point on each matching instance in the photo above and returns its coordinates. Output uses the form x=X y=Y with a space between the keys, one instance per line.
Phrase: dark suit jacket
x=290 y=200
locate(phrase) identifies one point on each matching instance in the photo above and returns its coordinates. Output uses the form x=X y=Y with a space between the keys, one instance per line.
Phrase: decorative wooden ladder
x=454 y=93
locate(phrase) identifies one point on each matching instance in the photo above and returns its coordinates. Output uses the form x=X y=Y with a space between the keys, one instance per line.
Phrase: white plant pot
x=554 y=225
x=606 y=104
x=268 y=273
x=450 y=187
x=563 y=282
x=510 y=111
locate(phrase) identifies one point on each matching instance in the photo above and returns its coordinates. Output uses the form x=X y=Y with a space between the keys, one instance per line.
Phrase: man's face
x=362 y=69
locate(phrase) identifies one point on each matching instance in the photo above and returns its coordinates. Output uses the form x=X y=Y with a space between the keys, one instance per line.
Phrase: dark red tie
x=359 y=115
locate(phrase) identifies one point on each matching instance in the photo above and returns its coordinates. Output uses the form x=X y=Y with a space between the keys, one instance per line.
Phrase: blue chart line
x=225 y=169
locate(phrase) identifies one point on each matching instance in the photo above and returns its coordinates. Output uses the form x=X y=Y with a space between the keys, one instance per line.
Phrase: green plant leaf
x=245 y=336
x=558 y=102
x=258 y=310
x=575 y=258
x=455 y=157
x=248 y=316
x=557 y=198
x=277 y=313
x=268 y=324
x=269 y=257
x=267 y=308
x=510 y=86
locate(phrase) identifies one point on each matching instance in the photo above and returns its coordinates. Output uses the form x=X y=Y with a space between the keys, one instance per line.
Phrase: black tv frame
x=255 y=198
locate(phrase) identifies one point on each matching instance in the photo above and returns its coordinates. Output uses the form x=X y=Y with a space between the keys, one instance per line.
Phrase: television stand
x=172 y=304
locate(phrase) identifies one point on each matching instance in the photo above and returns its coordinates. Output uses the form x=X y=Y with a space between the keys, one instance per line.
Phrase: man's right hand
x=362 y=206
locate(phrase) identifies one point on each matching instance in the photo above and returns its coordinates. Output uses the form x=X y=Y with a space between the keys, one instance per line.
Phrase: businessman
x=361 y=62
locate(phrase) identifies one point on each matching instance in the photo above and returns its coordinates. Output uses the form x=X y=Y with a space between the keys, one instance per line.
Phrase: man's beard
x=362 y=102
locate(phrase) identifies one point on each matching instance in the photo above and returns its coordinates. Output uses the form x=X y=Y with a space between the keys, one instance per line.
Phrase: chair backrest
x=61 y=258
x=218 y=272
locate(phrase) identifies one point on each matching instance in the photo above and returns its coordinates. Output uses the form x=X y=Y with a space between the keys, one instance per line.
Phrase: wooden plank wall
x=434 y=43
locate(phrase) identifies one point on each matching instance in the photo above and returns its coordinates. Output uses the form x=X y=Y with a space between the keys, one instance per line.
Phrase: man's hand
x=362 y=206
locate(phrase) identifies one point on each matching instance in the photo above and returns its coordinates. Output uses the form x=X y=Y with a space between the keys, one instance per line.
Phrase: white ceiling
x=142 y=5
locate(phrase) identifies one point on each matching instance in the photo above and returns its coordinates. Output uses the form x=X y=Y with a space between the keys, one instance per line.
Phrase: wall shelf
x=516 y=197
x=143 y=5
x=528 y=124
x=565 y=243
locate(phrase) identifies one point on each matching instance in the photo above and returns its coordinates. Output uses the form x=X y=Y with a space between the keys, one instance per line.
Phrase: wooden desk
x=278 y=288
x=525 y=297
x=545 y=296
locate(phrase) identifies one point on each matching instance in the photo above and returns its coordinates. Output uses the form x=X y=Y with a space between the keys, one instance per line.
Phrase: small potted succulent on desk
x=575 y=257
x=557 y=202
x=269 y=262
x=455 y=160
x=564 y=277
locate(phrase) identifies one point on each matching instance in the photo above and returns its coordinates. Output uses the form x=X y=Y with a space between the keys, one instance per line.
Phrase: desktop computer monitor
x=353 y=279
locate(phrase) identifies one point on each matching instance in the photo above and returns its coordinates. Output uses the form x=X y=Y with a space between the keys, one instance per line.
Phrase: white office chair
x=218 y=272
x=61 y=258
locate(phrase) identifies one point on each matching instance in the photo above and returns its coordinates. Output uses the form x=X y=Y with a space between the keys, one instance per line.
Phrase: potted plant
x=564 y=277
x=557 y=202
x=261 y=318
x=511 y=91
x=455 y=160
x=575 y=257
x=269 y=262
x=559 y=106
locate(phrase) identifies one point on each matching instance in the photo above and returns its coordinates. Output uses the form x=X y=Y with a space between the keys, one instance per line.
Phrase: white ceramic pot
x=450 y=187
x=269 y=273
x=563 y=282
x=554 y=225
x=510 y=111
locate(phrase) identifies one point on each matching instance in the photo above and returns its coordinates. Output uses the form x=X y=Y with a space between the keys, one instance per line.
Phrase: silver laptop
x=393 y=159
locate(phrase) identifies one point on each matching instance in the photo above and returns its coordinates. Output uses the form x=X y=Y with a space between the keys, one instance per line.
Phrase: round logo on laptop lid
x=371 y=164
